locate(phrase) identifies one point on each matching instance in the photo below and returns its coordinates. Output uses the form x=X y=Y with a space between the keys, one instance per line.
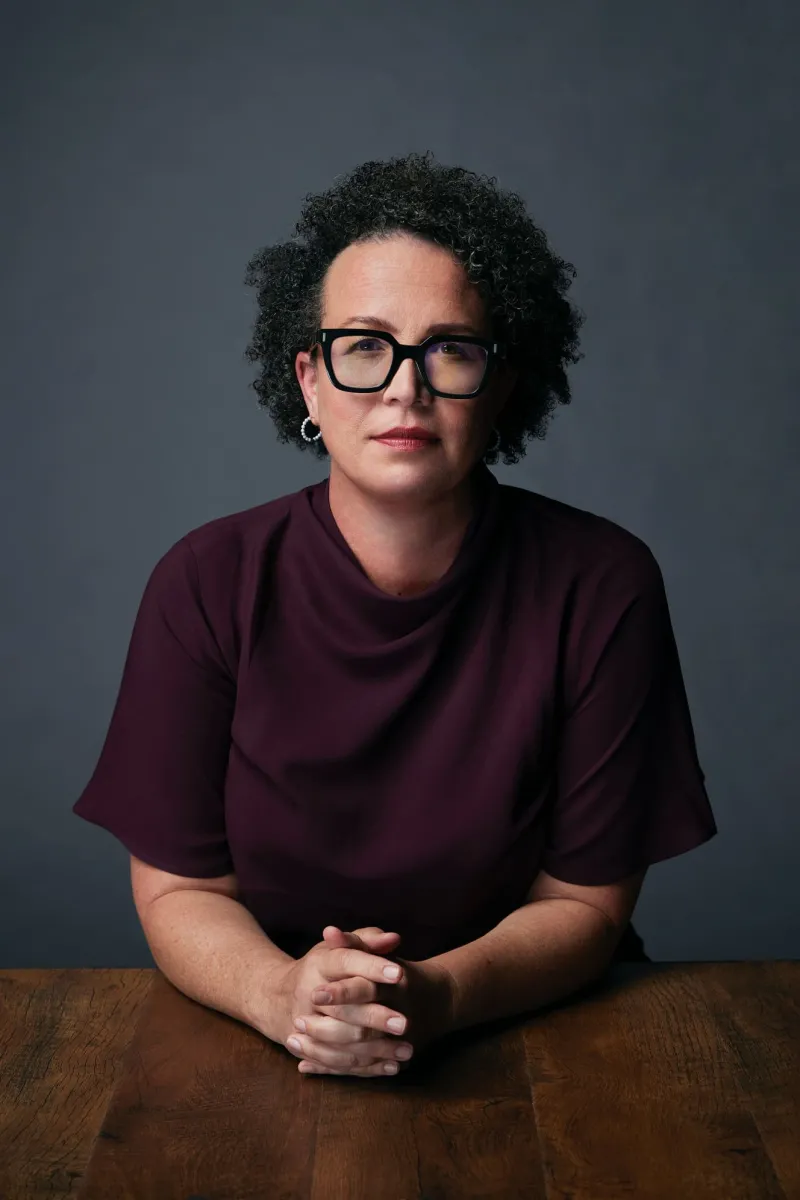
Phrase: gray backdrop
x=150 y=148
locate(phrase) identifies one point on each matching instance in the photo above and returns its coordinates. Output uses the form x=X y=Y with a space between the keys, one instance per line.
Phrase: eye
x=365 y=345
x=456 y=349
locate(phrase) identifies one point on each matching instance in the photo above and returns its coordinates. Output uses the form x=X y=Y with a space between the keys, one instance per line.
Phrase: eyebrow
x=372 y=322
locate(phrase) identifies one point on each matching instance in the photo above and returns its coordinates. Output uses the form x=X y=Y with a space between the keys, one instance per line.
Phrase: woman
x=406 y=704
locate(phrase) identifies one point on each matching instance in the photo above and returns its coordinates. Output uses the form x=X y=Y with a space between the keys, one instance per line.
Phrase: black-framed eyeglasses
x=365 y=360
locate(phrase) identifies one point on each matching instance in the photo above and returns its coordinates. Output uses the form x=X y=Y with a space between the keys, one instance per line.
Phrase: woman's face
x=410 y=288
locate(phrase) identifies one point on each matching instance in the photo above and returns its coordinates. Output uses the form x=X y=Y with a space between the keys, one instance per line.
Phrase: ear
x=305 y=368
x=509 y=378
x=504 y=385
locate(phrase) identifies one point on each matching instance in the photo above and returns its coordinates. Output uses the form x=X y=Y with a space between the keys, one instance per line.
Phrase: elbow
x=149 y=883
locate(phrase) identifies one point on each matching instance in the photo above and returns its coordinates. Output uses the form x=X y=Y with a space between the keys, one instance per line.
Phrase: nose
x=407 y=385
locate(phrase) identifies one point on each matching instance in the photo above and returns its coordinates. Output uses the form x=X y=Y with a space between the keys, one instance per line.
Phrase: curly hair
x=522 y=282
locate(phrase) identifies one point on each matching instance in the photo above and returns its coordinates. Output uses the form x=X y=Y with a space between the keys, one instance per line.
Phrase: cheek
x=353 y=421
x=348 y=423
x=463 y=426
x=341 y=411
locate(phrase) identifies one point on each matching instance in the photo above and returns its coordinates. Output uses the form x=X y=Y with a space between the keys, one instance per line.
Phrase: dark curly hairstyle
x=506 y=255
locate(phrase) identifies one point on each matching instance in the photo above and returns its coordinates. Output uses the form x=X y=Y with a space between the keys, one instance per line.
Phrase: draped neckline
x=353 y=594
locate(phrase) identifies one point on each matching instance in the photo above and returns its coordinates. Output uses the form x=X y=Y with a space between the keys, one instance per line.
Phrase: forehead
x=400 y=278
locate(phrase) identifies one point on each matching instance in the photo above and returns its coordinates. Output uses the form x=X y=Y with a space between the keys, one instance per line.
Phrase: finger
x=354 y=990
x=382 y=1069
x=326 y=1056
x=379 y=942
x=337 y=939
x=324 y=1028
x=348 y=991
x=380 y=1048
x=370 y=938
x=342 y=963
x=341 y=999
x=373 y=933
x=353 y=1023
x=345 y=1057
x=365 y=930
x=369 y=1017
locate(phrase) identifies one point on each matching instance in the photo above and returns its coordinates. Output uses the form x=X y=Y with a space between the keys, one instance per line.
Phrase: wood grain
x=643 y=1092
x=661 y=1080
x=63 y=1035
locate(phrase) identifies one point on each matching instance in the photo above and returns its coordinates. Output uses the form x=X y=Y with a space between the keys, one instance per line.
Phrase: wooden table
x=674 y=1080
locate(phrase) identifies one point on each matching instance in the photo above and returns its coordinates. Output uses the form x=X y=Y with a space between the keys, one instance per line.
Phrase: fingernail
x=396 y=1024
x=322 y=997
x=391 y=972
x=403 y=1052
x=391 y=1068
x=300 y=1024
x=294 y=1044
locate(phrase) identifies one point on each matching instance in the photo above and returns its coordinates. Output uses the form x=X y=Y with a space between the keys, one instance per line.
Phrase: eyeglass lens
x=451 y=365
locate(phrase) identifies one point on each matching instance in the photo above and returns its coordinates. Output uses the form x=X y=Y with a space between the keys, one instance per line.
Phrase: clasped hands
x=336 y=1021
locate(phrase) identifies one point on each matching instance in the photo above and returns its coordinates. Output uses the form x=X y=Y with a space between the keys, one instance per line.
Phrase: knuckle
x=349 y=960
x=364 y=991
x=379 y=1051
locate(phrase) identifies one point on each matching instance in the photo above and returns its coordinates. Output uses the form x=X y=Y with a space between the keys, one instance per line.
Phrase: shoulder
x=217 y=550
x=225 y=544
x=577 y=546
x=208 y=578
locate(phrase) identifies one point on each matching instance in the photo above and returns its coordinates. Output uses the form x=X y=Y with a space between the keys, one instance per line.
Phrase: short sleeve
x=630 y=790
x=159 y=782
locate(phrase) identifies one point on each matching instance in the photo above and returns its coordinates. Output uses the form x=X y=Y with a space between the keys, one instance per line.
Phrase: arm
x=554 y=945
x=630 y=789
x=210 y=947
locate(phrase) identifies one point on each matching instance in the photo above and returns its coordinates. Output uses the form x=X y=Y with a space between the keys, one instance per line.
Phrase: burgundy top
x=358 y=758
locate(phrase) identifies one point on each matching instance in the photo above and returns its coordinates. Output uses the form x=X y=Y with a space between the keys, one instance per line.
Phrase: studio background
x=149 y=148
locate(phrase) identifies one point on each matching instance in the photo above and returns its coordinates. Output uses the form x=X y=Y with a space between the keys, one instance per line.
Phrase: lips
x=407 y=435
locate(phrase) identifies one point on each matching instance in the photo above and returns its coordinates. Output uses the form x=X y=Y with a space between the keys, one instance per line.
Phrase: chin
x=412 y=478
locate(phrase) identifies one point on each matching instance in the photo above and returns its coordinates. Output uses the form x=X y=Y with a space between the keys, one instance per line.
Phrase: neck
x=404 y=544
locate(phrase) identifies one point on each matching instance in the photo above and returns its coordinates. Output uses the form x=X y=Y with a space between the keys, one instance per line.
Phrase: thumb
x=369 y=938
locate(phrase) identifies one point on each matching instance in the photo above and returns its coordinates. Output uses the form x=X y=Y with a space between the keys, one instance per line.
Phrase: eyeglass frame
x=401 y=351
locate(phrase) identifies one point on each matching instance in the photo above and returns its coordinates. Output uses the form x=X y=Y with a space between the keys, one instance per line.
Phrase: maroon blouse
x=410 y=762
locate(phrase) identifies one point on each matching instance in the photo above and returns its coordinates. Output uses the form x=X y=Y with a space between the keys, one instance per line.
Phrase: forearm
x=538 y=954
x=213 y=950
